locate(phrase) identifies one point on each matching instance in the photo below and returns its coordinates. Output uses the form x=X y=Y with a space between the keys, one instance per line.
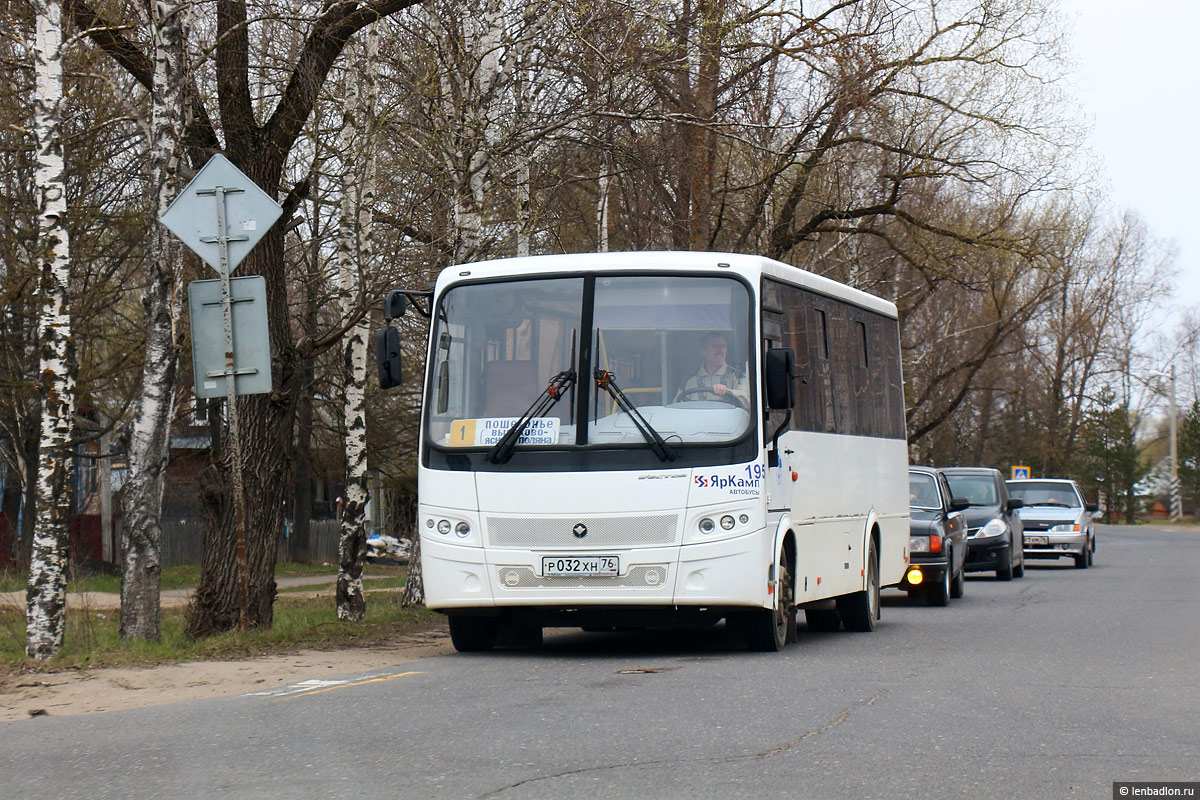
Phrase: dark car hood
x=978 y=516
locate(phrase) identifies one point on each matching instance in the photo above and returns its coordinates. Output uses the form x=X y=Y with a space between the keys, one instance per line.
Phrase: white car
x=1057 y=520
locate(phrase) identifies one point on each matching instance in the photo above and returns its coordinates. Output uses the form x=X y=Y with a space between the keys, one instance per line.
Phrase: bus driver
x=715 y=379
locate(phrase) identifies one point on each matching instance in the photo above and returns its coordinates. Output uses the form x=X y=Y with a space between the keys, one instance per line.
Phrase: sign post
x=255 y=212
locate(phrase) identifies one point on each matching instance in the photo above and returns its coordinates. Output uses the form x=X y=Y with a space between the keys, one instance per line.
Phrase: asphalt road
x=1051 y=686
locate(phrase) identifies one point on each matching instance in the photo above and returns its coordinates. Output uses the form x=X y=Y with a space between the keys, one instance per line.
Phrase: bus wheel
x=769 y=630
x=860 y=611
x=473 y=634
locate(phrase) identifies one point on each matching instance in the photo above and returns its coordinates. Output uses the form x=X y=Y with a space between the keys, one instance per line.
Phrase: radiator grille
x=645 y=576
x=558 y=532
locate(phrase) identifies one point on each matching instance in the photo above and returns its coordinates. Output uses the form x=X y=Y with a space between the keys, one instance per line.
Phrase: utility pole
x=1176 y=502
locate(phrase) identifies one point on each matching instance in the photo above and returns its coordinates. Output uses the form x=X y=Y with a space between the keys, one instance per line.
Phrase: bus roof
x=748 y=266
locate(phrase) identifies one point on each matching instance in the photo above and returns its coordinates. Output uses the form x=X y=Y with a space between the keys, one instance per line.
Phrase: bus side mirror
x=387 y=357
x=394 y=305
x=780 y=371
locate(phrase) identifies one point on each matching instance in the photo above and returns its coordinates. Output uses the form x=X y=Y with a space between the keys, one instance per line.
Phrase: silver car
x=1057 y=520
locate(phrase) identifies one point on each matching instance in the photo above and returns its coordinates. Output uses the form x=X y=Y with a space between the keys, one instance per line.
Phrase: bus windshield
x=674 y=348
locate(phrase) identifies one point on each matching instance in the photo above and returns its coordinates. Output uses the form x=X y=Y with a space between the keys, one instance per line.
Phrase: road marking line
x=343 y=685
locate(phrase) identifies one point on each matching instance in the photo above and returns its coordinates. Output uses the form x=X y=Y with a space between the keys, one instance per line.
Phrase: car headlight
x=918 y=544
x=1066 y=527
x=996 y=527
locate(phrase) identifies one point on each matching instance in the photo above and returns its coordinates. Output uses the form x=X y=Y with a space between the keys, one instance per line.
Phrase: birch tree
x=355 y=251
x=150 y=437
x=46 y=593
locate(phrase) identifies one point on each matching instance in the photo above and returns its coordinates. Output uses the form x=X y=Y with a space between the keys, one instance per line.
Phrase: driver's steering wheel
x=728 y=397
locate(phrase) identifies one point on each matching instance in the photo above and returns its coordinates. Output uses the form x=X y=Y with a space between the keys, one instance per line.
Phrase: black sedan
x=937 y=538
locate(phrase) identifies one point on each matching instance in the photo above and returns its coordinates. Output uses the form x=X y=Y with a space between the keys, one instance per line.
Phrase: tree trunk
x=414 y=585
x=46 y=593
x=354 y=252
x=150 y=438
x=302 y=493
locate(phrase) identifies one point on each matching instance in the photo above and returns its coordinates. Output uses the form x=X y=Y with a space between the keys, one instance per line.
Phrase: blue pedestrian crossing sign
x=1020 y=473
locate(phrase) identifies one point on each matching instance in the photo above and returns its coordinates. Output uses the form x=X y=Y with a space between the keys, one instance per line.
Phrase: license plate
x=590 y=566
x=1037 y=540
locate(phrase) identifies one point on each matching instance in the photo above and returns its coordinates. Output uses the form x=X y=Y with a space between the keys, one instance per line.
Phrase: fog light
x=653 y=577
x=915 y=577
x=429 y=522
x=727 y=522
x=444 y=526
x=707 y=525
x=462 y=529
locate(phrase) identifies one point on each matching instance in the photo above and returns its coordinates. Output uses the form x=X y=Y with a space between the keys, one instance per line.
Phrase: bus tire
x=473 y=634
x=860 y=611
x=769 y=630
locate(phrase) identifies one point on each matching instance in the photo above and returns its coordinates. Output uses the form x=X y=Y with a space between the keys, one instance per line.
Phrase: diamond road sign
x=249 y=213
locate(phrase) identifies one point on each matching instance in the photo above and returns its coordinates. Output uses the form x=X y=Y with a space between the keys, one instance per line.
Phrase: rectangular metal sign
x=251 y=340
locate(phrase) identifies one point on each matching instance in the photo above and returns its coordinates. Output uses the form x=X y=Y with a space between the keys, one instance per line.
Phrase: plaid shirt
x=734 y=380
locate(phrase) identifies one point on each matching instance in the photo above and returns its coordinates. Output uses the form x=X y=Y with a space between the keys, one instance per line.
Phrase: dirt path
x=115 y=688
x=176 y=598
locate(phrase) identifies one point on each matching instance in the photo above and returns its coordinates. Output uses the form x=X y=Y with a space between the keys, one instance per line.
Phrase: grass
x=92 y=639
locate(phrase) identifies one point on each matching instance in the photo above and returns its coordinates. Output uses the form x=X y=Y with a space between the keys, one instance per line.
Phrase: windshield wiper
x=657 y=444
x=502 y=450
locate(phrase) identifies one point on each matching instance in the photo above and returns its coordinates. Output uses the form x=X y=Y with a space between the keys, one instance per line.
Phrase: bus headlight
x=463 y=530
x=443 y=526
x=707 y=525
x=727 y=522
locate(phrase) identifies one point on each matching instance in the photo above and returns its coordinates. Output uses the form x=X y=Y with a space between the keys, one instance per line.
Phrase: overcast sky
x=1137 y=80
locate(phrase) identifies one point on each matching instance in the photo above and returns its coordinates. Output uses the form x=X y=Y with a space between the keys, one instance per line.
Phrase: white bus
x=646 y=439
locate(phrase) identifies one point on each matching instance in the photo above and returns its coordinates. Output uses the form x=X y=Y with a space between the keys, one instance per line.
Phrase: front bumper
x=985 y=554
x=1057 y=545
x=704 y=574
x=931 y=574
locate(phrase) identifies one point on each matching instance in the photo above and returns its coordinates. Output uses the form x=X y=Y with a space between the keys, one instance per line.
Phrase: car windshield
x=1046 y=494
x=922 y=491
x=980 y=490
x=674 y=349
